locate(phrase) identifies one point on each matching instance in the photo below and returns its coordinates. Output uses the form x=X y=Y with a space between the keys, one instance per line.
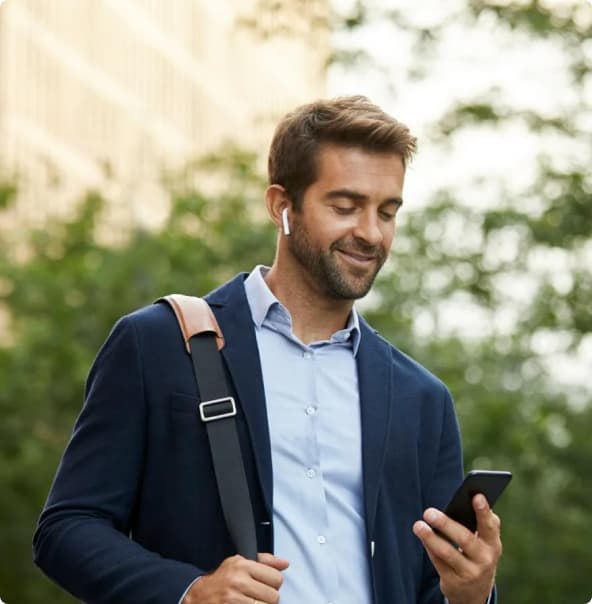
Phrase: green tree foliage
x=61 y=303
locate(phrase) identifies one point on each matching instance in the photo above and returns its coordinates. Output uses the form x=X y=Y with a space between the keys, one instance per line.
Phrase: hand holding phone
x=490 y=483
x=475 y=557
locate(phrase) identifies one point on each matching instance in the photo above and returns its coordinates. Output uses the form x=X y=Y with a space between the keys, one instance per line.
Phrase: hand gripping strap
x=217 y=409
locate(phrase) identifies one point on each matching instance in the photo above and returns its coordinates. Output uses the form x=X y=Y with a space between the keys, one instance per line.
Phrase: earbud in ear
x=285 y=225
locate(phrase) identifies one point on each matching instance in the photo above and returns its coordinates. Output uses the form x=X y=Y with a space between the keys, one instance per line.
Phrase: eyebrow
x=356 y=196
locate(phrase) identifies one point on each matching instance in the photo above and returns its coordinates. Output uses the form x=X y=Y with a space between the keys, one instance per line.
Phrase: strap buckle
x=217 y=408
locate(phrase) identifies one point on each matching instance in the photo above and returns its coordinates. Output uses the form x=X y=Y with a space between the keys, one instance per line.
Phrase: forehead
x=353 y=167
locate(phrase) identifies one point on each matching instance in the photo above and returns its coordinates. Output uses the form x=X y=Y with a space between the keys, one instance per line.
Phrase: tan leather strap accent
x=194 y=316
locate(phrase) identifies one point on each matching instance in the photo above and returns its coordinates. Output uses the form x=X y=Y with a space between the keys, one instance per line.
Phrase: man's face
x=342 y=233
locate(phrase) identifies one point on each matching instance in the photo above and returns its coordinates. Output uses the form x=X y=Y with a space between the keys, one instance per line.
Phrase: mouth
x=358 y=259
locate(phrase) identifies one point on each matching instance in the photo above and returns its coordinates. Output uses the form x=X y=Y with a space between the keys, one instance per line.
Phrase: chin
x=349 y=291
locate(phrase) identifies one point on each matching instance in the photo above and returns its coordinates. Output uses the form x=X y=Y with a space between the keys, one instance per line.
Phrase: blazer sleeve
x=447 y=475
x=83 y=536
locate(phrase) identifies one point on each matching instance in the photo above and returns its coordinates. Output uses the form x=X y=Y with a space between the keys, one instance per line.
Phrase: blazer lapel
x=374 y=379
x=241 y=354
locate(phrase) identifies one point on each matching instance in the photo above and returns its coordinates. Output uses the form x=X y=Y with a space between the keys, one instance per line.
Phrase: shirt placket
x=324 y=543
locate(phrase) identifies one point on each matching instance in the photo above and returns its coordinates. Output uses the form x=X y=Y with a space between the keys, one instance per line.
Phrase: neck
x=314 y=316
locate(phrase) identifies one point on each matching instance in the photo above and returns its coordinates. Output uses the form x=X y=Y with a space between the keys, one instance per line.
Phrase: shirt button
x=310 y=410
x=311 y=473
x=321 y=539
x=307 y=354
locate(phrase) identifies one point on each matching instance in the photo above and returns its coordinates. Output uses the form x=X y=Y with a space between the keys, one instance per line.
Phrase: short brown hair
x=351 y=121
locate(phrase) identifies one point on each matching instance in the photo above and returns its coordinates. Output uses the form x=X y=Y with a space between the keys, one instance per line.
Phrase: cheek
x=317 y=232
x=389 y=234
x=327 y=232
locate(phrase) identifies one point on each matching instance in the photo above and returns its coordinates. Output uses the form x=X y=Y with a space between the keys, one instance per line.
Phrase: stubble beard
x=336 y=281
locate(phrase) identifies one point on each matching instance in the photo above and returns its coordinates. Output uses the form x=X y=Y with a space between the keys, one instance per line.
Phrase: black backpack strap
x=203 y=339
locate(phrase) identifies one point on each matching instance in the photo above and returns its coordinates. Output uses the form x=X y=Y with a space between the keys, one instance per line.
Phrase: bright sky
x=474 y=62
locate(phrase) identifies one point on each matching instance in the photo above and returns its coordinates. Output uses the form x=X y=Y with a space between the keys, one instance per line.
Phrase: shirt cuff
x=193 y=583
x=488 y=599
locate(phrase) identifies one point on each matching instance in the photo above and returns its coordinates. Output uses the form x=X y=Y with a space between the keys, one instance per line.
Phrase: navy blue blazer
x=133 y=515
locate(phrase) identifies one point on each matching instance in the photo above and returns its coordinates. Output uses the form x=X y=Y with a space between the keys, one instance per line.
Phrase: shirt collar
x=262 y=303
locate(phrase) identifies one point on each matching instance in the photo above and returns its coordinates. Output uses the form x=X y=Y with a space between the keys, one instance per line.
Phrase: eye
x=344 y=210
x=388 y=212
x=387 y=215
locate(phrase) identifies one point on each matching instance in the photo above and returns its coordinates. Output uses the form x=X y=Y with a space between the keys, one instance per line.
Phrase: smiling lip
x=360 y=259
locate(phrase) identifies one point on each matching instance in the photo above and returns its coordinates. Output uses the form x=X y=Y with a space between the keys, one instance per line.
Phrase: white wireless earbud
x=285 y=224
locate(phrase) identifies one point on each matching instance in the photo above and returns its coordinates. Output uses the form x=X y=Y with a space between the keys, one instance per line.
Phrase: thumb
x=273 y=561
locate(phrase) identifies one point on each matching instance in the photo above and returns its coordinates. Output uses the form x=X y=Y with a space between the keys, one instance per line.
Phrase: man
x=347 y=442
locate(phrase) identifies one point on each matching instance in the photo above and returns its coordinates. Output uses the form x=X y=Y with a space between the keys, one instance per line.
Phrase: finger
x=472 y=545
x=266 y=575
x=262 y=594
x=273 y=561
x=488 y=523
x=455 y=532
x=443 y=554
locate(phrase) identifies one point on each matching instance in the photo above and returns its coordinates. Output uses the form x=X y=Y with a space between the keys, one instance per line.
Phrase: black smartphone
x=490 y=483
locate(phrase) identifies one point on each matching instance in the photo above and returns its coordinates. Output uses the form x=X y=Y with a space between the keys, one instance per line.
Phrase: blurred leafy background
x=493 y=297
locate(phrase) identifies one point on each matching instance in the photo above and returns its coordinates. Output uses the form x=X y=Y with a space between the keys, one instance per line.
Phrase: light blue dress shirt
x=313 y=410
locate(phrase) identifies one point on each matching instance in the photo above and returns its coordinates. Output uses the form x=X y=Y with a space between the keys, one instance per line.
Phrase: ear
x=276 y=201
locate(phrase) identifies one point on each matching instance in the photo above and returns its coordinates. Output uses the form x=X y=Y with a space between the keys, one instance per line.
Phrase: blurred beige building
x=106 y=93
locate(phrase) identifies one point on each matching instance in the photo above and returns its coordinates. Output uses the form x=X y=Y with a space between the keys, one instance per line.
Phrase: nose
x=368 y=229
